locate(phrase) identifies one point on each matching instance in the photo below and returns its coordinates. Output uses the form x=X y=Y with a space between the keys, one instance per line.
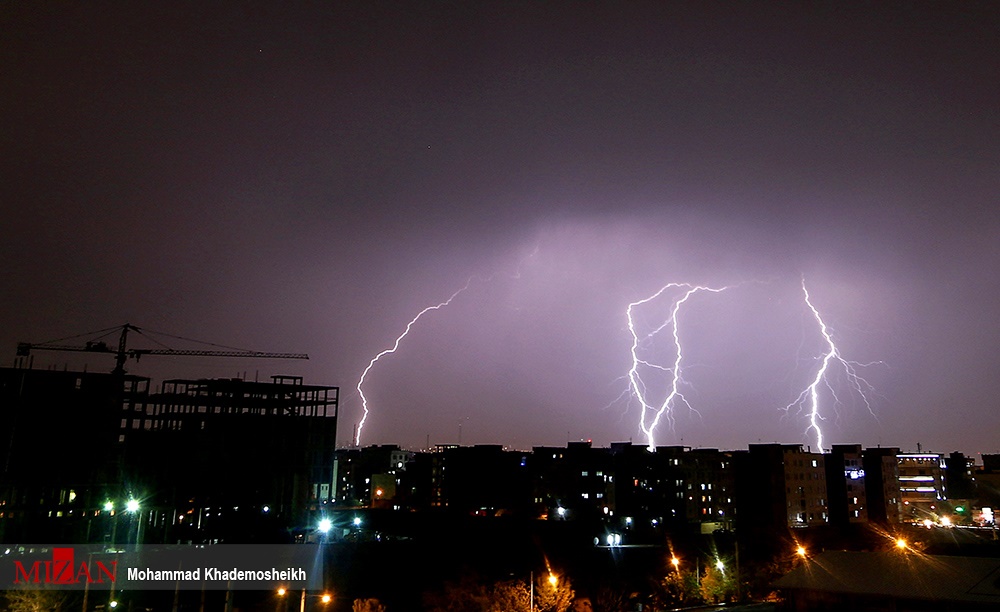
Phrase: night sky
x=306 y=177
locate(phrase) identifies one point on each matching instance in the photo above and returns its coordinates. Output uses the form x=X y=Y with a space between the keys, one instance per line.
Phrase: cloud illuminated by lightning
x=810 y=397
x=651 y=412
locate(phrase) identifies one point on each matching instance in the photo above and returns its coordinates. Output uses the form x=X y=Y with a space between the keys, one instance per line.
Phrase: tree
x=678 y=588
x=610 y=599
x=582 y=604
x=367 y=605
x=717 y=585
x=467 y=595
x=553 y=595
x=511 y=596
x=505 y=596
x=28 y=600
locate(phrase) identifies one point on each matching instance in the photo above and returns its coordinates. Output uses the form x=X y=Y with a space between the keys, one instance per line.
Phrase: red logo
x=63 y=569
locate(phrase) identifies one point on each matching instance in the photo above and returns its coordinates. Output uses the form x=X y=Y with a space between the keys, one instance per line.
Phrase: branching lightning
x=651 y=413
x=409 y=326
x=809 y=399
x=395 y=346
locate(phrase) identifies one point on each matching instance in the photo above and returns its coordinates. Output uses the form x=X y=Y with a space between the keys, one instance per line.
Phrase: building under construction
x=199 y=460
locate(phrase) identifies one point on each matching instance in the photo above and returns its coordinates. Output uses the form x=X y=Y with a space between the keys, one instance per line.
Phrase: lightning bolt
x=809 y=399
x=650 y=411
x=392 y=349
x=409 y=326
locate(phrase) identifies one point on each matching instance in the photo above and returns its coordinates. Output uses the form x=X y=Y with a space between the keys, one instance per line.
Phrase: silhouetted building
x=882 y=485
x=204 y=459
x=650 y=489
x=483 y=480
x=373 y=476
x=921 y=485
x=846 y=485
x=577 y=481
x=959 y=475
x=709 y=488
x=781 y=485
x=62 y=436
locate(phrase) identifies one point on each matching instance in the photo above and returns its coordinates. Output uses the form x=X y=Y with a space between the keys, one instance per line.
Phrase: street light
x=131 y=505
x=553 y=580
x=675 y=562
x=801 y=551
x=325 y=525
x=325 y=598
x=720 y=565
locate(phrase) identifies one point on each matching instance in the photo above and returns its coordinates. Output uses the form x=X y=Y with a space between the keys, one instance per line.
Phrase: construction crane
x=123 y=353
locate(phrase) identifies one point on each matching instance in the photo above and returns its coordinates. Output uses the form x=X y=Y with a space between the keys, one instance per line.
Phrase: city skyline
x=308 y=179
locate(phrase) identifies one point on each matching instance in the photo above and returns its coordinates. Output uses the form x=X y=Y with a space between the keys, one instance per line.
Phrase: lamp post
x=324 y=597
x=553 y=580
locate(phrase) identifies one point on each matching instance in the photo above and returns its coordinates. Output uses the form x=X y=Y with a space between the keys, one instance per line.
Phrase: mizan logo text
x=63 y=569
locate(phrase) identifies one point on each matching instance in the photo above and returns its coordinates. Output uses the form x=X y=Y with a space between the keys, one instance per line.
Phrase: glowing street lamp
x=553 y=580
x=675 y=562
x=132 y=505
x=719 y=565
x=325 y=525
x=801 y=551
x=901 y=544
x=109 y=506
x=325 y=598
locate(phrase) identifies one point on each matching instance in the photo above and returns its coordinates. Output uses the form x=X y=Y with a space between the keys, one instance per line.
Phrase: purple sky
x=309 y=178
